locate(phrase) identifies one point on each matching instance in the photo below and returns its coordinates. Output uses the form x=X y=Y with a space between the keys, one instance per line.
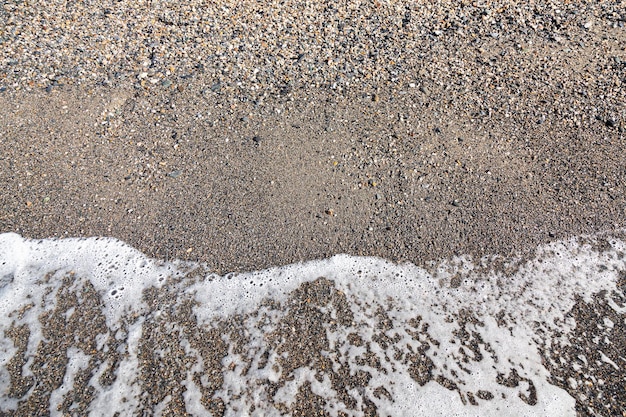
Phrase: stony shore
x=250 y=134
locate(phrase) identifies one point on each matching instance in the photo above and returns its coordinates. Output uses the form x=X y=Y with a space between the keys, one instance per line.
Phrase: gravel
x=407 y=130
x=495 y=54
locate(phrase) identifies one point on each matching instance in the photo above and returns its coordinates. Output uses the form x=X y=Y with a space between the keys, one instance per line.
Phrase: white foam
x=119 y=272
x=77 y=361
x=122 y=397
x=533 y=302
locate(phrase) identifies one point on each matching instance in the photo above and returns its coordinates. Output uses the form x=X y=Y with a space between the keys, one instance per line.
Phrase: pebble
x=295 y=47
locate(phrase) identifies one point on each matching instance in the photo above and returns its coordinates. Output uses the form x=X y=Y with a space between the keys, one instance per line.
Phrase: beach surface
x=241 y=136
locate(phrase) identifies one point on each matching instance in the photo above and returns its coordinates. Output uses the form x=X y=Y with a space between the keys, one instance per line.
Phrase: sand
x=404 y=178
x=489 y=137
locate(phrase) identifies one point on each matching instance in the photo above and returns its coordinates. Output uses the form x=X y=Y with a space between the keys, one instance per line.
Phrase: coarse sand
x=246 y=135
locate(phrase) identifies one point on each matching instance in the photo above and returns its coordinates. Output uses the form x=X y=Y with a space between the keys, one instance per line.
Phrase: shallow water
x=92 y=326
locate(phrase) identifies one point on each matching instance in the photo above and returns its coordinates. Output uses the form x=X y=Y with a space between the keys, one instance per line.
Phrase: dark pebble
x=285 y=90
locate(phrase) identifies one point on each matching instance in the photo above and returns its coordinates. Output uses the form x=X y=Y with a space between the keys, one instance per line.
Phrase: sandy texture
x=456 y=129
x=246 y=135
x=326 y=175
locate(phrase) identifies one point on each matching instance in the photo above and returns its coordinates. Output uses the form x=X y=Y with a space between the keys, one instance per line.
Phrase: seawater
x=93 y=326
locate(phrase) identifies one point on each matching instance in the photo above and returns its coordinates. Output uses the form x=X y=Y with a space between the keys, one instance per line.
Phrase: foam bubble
x=340 y=335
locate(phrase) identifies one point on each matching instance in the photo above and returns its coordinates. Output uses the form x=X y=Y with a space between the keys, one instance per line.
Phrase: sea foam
x=92 y=326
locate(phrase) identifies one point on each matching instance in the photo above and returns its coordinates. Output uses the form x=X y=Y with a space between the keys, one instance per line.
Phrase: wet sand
x=403 y=177
x=461 y=129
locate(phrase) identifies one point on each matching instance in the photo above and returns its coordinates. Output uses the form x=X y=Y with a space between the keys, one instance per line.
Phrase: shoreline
x=342 y=336
x=247 y=135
